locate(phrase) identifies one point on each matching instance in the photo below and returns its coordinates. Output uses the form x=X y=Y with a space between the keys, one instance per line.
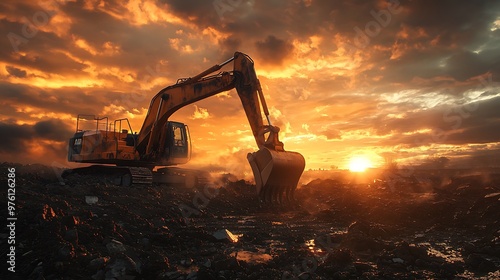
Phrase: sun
x=359 y=164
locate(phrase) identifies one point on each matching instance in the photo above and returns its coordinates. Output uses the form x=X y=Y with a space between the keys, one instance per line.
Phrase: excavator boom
x=275 y=170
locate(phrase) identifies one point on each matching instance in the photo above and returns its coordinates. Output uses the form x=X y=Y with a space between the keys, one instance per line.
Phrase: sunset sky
x=408 y=81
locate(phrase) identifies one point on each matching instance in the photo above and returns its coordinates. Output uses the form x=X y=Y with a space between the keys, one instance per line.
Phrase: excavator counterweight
x=162 y=142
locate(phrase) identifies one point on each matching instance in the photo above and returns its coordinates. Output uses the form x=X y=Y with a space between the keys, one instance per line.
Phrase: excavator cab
x=178 y=143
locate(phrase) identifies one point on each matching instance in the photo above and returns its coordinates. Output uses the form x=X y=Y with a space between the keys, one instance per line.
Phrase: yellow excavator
x=163 y=143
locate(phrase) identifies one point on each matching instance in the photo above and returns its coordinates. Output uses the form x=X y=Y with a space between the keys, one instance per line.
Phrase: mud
x=87 y=228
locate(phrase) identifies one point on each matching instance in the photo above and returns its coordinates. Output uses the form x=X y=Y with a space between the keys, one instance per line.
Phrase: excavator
x=162 y=144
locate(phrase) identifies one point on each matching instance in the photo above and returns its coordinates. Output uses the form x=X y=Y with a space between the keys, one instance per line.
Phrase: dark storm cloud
x=14 y=71
x=483 y=158
x=140 y=47
x=465 y=64
x=230 y=45
x=456 y=28
x=67 y=100
x=479 y=124
x=193 y=8
x=52 y=130
x=255 y=21
x=15 y=137
x=456 y=22
x=470 y=123
x=273 y=50
x=41 y=50
x=451 y=31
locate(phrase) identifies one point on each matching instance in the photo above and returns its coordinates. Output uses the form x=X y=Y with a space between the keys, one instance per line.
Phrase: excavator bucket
x=276 y=174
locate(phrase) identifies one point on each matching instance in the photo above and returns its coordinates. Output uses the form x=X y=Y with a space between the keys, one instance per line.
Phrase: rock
x=381 y=231
x=37 y=273
x=192 y=275
x=186 y=263
x=66 y=252
x=59 y=267
x=71 y=236
x=145 y=243
x=91 y=199
x=340 y=257
x=158 y=222
x=363 y=243
x=479 y=263
x=115 y=247
x=99 y=275
x=70 y=221
x=171 y=275
x=362 y=266
x=398 y=260
x=122 y=267
x=225 y=235
x=97 y=263
x=207 y=274
x=359 y=227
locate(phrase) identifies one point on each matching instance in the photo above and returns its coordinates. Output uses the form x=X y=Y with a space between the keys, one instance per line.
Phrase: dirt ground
x=396 y=227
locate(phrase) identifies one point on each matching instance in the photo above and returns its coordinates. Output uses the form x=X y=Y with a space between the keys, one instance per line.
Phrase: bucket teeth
x=278 y=195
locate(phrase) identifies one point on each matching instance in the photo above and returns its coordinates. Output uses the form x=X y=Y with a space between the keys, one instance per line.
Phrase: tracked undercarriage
x=142 y=176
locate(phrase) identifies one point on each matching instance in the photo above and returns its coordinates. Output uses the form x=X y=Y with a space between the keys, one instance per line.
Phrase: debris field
x=84 y=227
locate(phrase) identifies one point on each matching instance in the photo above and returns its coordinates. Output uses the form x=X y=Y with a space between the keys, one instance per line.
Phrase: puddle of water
x=252 y=257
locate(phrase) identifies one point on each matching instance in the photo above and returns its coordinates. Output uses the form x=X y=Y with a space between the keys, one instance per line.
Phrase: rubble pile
x=86 y=228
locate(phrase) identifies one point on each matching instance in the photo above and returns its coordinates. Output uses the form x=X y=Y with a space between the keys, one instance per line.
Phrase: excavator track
x=189 y=178
x=116 y=175
x=141 y=176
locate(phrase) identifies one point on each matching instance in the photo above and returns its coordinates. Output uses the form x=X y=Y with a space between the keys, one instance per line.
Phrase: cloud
x=14 y=137
x=14 y=71
x=273 y=50
x=18 y=138
x=200 y=113
x=52 y=130
x=464 y=65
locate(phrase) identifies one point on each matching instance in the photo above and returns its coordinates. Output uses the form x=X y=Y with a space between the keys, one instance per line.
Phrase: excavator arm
x=275 y=170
